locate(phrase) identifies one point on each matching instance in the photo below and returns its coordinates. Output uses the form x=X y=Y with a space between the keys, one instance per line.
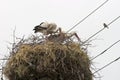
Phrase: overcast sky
x=25 y=14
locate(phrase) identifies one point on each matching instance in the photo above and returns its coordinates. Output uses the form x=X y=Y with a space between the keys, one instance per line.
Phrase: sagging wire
x=88 y=15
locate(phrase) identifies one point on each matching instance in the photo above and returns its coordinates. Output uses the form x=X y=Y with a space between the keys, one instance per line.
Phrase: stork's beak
x=35 y=28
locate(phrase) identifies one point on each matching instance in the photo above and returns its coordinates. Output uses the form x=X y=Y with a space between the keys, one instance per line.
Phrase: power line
x=87 y=16
x=107 y=65
x=113 y=20
x=101 y=29
x=105 y=50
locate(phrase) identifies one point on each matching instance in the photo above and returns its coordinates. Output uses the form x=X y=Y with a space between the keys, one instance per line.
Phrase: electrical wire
x=105 y=50
x=101 y=30
x=107 y=65
x=87 y=16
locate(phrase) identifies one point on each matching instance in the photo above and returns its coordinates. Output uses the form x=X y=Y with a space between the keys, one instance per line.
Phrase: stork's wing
x=38 y=28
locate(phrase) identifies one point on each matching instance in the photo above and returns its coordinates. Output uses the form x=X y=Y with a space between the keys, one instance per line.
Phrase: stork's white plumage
x=51 y=27
x=44 y=24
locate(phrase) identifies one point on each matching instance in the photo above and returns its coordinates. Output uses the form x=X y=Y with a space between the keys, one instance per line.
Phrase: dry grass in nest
x=38 y=60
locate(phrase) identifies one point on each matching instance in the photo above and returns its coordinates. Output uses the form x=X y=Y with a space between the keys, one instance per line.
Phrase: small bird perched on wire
x=45 y=28
x=105 y=25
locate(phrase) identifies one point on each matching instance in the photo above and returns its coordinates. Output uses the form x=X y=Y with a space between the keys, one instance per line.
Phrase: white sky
x=25 y=14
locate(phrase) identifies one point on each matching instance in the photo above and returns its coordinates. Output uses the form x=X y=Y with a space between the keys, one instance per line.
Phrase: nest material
x=48 y=61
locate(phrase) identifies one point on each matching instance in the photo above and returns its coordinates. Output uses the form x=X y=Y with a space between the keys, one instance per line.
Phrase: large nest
x=37 y=59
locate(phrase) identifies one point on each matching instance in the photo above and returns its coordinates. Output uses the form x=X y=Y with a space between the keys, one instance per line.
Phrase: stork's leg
x=59 y=29
x=77 y=36
x=74 y=34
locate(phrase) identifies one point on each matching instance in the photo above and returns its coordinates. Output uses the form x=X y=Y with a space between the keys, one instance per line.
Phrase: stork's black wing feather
x=39 y=28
